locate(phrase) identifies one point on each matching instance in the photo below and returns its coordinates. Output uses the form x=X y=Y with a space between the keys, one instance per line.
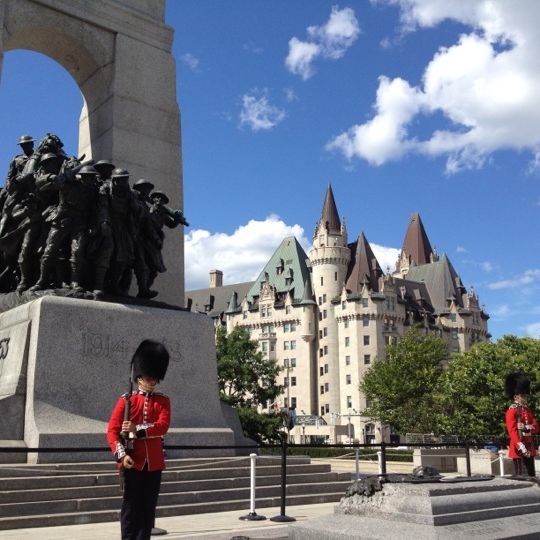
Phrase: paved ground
x=217 y=526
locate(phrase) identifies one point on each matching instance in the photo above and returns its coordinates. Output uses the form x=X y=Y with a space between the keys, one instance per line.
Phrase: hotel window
x=321 y=371
x=320 y=300
x=346 y=324
x=293 y=381
x=293 y=362
x=452 y=317
x=293 y=327
x=364 y=302
x=367 y=359
x=286 y=327
x=322 y=410
x=348 y=379
x=324 y=314
x=325 y=331
x=286 y=382
x=326 y=387
x=454 y=333
x=366 y=340
x=335 y=276
x=322 y=281
x=325 y=348
x=293 y=403
x=293 y=345
x=320 y=334
x=347 y=360
x=349 y=402
x=327 y=408
x=455 y=349
x=365 y=320
x=343 y=304
x=347 y=341
x=244 y=315
x=264 y=345
x=286 y=362
x=324 y=298
x=326 y=368
x=322 y=389
x=288 y=310
x=285 y=402
x=286 y=345
x=320 y=352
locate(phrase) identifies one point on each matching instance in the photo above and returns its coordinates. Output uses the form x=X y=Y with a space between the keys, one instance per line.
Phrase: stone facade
x=325 y=317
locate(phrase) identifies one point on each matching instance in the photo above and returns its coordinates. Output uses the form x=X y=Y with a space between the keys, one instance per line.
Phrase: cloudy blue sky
x=405 y=106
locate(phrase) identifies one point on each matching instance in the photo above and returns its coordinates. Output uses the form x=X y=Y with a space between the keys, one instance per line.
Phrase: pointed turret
x=364 y=269
x=416 y=243
x=233 y=306
x=329 y=216
x=308 y=298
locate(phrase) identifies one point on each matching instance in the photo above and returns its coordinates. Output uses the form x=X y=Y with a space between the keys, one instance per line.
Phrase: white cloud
x=190 y=61
x=500 y=312
x=485 y=85
x=528 y=277
x=240 y=255
x=290 y=95
x=486 y=266
x=461 y=249
x=329 y=41
x=258 y=113
x=387 y=256
x=533 y=329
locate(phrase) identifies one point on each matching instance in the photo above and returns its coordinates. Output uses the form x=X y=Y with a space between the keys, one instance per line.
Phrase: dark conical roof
x=329 y=214
x=364 y=267
x=416 y=243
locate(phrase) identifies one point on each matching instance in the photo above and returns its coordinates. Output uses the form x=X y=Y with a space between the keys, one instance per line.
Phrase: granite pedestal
x=493 y=509
x=65 y=362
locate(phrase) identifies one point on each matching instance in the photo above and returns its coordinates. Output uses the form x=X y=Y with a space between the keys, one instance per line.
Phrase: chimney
x=216 y=279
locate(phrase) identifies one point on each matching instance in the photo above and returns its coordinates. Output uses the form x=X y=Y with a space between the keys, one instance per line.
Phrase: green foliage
x=247 y=380
x=261 y=427
x=245 y=377
x=321 y=452
x=471 y=391
x=401 y=388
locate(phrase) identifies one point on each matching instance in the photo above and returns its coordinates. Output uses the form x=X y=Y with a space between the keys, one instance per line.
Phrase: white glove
x=522 y=449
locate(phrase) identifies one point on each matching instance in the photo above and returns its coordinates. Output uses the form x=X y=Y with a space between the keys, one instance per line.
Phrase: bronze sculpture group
x=69 y=223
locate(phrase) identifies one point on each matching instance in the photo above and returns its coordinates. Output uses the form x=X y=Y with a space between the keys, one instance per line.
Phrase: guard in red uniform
x=520 y=424
x=137 y=443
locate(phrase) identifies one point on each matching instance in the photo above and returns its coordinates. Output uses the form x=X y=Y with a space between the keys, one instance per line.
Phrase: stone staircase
x=76 y=493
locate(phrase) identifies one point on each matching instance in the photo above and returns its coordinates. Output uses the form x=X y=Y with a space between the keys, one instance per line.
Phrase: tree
x=247 y=380
x=471 y=391
x=401 y=388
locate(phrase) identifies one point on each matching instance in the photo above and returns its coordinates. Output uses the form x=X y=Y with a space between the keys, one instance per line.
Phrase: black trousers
x=141 y=490
x=529 y=466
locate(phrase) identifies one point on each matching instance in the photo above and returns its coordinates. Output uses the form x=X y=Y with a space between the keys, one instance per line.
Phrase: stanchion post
x=501 y=463
x=379 y=461
x=468 y=458
x=282 y=518
x=357 y=462
x=252 y=516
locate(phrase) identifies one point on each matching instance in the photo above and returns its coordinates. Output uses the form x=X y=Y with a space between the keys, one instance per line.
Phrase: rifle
x=125 y=434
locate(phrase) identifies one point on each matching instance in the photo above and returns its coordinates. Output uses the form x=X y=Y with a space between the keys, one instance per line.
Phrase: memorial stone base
x=493 y=509
x=65 y=362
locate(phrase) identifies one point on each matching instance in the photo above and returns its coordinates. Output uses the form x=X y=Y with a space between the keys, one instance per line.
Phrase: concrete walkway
x=217 y=526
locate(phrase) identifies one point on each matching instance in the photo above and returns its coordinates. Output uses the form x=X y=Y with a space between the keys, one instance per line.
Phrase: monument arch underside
x=119 y=54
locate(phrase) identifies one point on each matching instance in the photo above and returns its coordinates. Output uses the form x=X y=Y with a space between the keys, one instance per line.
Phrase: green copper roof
x=287 y=264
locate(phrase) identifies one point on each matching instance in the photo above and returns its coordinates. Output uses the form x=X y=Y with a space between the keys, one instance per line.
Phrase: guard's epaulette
x=514 y=406
x=126 y=395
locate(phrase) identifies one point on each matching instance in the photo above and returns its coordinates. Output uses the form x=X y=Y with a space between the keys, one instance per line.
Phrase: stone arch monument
x=119 y=54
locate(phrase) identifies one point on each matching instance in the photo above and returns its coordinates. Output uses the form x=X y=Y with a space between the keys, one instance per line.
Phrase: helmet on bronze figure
x=25 y=139
x=151 y=359
x=142 y=185
x=50 y=156
x=160 y=195
x=87 y=170
x=104 y=167
x=120 y=173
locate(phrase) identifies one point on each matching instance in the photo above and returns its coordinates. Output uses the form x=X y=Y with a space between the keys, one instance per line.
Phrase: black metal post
x=383 y=457
x=468 y=458
x=283 y=517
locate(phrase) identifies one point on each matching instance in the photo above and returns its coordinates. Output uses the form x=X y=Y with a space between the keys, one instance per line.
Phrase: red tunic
x=531 y=427
x=151 y=412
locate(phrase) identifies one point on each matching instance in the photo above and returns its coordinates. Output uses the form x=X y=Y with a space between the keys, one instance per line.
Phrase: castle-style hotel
x=326 y=316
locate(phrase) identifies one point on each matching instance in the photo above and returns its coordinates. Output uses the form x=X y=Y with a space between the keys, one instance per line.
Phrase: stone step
x=26 y=470
x=170 y=474
x=78 y=518
x=166 y=499
x=111 y=490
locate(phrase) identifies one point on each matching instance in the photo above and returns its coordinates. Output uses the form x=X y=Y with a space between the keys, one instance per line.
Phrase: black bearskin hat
x=151 y=359
x=517 y=383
